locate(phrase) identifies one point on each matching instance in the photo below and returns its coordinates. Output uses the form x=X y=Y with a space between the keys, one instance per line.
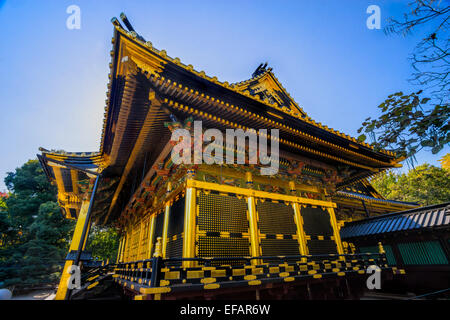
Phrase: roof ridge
x=68 y=153
x=258 y=76
x=429 y=207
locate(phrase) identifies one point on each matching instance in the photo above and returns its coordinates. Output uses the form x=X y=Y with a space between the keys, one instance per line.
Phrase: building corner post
x=337 y=236
x=79 y=240
x=189 y=224
x=253 y=230
x=166 y=223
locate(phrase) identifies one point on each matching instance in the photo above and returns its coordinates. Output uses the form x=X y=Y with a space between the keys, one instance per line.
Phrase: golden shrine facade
x=208 y=228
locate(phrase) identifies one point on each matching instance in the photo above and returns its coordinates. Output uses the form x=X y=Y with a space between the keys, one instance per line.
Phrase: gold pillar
x=87 y=233
x=165 y=229
x=61 y=294
x=301 y=237
x=166 y=223
x=253 y=229
x=123 y=257
x=337 y=236
x=189 y=227
x=119 y=252
x=59 y=183
x=152 y=221
x=249 y=179
x=74 y=177
x=300 y=232
x=123 y=247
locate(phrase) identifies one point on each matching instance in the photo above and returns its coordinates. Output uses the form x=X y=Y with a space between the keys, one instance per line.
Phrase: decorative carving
x=295 y=168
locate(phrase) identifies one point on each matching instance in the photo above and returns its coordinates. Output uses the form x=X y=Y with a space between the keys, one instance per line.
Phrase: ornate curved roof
x=147 y=88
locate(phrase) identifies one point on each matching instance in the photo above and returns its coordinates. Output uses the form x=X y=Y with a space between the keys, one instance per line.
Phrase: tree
x=407 y=125
x=445 y=161
x=425 y=184
x=418 y=120
x=39 y=259
x=29 y=188
x=430 y=60
x=37 y=235
x=4 y=220
x=34 y=234
x=103 y=242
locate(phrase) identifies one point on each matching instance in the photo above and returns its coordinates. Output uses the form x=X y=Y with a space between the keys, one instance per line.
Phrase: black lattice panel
x=279 y=247
x=275 y=218
x=176 y=218
x=222 y=213
x=223 y=247
x=219 y=214
x=316 y=221
x=317 y=225
x=321 y=246
x=175 y=249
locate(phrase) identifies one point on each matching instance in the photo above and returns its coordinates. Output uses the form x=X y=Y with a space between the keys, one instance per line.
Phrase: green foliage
x=29 y=188
x=4 y=222
x=429 y=59
x=426 y=184
x=445 y=161
x=35 y=234
x=104 y=243
x=406 y=125
x=411 y=122
x=2 y=204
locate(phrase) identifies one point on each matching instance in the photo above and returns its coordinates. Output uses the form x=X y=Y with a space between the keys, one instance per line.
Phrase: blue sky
x=53 y=80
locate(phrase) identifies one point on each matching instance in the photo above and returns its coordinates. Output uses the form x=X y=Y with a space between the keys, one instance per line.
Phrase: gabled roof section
x=419 y=219
x=71 y=172
x=268 y=88
x=363 y=187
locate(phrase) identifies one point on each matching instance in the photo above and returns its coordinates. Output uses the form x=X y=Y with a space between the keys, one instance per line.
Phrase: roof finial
x=126 y=22
x=129 y=26
x=116 y=22
x=261 y=69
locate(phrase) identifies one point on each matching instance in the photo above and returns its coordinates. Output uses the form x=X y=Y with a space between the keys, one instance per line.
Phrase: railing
x=143 y=275
x=96 y=270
